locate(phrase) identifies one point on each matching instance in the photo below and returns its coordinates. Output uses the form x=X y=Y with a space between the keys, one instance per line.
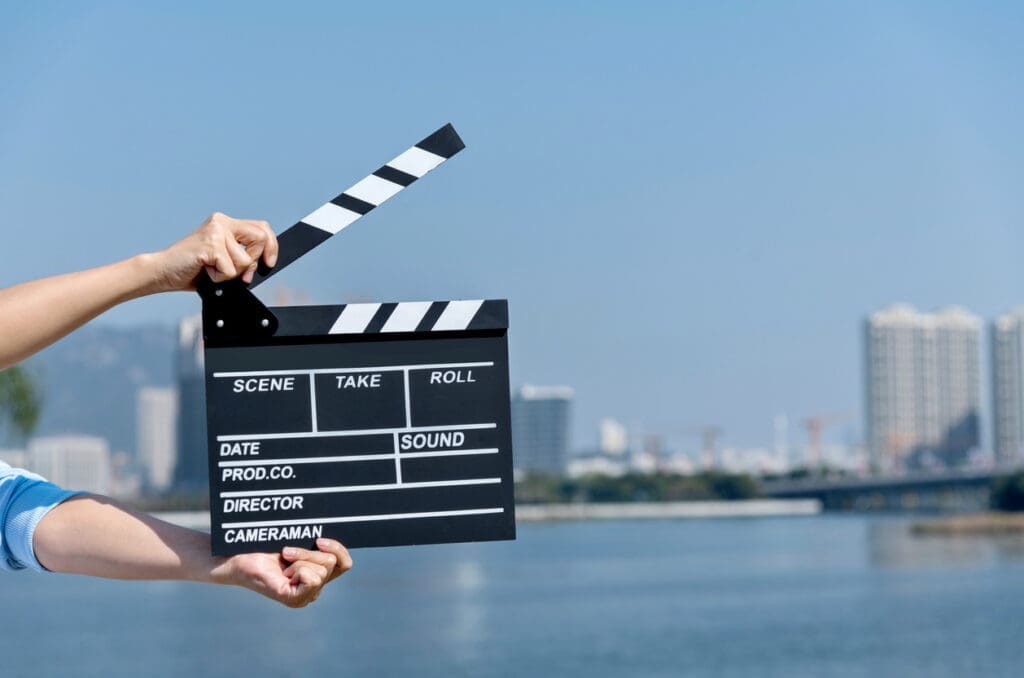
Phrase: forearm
x=97 y=536
x=35 y=314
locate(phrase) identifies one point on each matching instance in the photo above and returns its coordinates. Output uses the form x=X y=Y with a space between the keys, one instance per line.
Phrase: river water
x=812 y=596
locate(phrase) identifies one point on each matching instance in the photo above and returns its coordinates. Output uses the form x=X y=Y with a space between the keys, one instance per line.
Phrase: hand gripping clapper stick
x=376 y=424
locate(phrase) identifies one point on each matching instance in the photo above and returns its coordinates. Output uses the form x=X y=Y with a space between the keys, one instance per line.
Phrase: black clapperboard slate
x=374 y=424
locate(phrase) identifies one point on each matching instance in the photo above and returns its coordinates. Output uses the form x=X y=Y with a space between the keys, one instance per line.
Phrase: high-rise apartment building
x=540 y=428
x=190 y=470
x=922 y=388
x=156 y=421
x=1008 y=388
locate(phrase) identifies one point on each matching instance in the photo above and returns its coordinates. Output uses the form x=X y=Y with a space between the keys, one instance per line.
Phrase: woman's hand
x=98 y=536
x=222 y=246
x=294 y=578
x=35 y=314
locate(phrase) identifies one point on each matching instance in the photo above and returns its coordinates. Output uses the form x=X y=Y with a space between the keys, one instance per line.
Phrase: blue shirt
x=24 y=499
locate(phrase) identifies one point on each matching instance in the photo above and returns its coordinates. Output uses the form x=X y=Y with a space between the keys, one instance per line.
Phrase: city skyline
x=187 y=358
x=904 y=348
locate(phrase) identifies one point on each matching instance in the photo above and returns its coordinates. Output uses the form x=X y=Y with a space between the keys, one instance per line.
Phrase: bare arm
x=97 y=536
x=35 y=314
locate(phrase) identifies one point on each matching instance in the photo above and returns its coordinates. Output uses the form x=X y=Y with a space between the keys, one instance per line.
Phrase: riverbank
x=751 y=508
x=975 y=524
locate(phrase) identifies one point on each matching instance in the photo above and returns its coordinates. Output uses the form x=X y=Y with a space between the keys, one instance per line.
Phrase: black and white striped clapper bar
x=376 y=424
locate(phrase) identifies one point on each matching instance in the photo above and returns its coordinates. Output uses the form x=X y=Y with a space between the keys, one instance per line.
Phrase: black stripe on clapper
x=395 y=176
x=431 y=316
x=292 y=244
x=493 y=314
x=445 y=142
x=354 y=204
x=379 y=318
x=304 y=321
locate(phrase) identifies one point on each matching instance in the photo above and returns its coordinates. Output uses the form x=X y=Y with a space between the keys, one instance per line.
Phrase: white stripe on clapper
x=416 y=162
x=363 y=488
x=354 y=318
x=374 y=190
x=457 y=315
x=312 y=401
x=406 y=316
x=331 y=218
x=361 y=519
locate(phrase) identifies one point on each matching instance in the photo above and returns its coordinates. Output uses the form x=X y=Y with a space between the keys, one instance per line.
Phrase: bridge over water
x=957 y=490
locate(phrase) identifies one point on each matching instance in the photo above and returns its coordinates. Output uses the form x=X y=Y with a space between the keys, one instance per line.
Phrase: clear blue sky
x=690 y=207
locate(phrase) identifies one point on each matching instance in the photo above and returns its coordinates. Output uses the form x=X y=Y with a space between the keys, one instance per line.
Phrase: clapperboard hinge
x=232 y=313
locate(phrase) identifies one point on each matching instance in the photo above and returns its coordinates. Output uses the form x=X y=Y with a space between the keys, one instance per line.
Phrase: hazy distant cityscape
x=921 y=411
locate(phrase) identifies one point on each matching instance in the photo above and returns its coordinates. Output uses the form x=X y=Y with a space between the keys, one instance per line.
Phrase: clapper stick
x=331 y=217
x=230 y=310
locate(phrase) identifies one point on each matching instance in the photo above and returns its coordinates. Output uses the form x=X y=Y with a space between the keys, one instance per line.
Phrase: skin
x=35 y=314
x=97 y=536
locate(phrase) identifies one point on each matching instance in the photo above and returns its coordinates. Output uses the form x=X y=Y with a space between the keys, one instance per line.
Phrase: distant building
x=156 y=421
x=190 y=471
x=922 y=388
x=77 y=462
x=1008 y=387
x=540 y=428
x=601 y=465
x=613 y=439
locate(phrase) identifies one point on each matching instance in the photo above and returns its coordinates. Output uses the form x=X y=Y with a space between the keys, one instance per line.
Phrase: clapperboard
x=378 y=424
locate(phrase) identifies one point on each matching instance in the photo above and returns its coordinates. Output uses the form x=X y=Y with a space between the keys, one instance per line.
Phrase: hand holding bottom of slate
x=95 y=535
x=295 y=577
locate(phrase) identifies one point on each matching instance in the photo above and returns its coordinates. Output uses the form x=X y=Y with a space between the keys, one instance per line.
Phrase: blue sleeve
x=24 y=499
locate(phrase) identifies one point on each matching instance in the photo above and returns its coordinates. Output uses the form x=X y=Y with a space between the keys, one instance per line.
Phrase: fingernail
x=323 y=542
x=290 y=551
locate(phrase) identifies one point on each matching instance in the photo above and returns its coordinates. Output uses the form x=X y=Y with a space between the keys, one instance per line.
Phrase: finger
x=240 y=257
x=242 y=260
x=221 y=268
x=309 y=577
x=268 y=240
x=299 y=569
x=270 y=249
x=250 y=233
x=257 y=238
x=341 y=554
x=304 y=594
x=251 y=237
x=293 y=554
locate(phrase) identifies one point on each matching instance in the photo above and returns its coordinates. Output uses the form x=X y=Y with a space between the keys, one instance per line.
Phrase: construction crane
x=709 y=436
x=709 y=439
x=815 y=424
